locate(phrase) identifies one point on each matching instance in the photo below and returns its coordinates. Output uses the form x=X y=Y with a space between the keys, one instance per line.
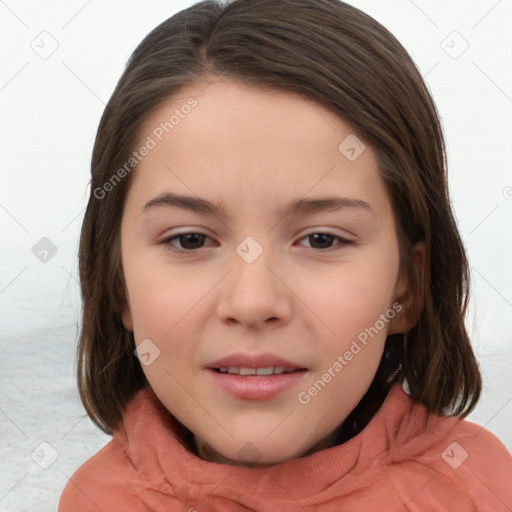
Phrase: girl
x=238 y=362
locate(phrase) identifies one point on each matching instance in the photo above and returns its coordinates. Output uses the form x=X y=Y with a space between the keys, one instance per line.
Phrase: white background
x=50 y=109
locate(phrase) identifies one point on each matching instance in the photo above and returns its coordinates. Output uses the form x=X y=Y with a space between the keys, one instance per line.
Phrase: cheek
x=151 y=306
x=165 y=309
x=159 y=297
x=350 y=304
x=162 y=310
x=352 y=298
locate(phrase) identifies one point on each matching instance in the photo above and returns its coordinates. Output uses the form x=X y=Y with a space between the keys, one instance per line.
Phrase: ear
x=410 y=294
x=127 y=318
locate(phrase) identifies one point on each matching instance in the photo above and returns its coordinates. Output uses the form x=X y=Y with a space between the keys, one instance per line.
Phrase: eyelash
x=167 y=242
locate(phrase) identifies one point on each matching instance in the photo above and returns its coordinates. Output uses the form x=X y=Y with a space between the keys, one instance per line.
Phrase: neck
x=208 y=453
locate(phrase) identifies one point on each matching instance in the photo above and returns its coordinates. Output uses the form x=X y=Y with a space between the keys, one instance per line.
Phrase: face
x=260 y=325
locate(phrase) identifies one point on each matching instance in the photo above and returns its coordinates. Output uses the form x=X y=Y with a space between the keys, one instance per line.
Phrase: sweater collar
x=156 y=444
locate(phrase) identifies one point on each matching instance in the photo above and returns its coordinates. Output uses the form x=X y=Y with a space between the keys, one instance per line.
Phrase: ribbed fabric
x=405 y=459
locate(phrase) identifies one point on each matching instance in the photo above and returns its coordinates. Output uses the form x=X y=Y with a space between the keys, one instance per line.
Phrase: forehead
x=242 y=143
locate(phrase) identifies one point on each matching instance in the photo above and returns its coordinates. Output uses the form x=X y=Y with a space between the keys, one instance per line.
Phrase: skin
x=255 y=149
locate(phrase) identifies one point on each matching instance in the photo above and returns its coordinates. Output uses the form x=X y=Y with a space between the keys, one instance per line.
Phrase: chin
x=258 y=453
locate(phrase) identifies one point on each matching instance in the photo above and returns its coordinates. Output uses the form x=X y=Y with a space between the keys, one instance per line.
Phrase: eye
x=190 y=242
x=322 y=241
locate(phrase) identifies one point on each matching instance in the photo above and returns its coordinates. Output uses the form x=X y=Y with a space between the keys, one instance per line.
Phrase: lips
x=235 y=370
x=255 y=377
x=240 y=363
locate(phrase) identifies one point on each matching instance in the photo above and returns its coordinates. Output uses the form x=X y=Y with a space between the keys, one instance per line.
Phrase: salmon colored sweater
x=405 y=460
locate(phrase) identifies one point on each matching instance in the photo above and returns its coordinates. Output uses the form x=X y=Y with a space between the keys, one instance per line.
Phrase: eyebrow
x=300 y=206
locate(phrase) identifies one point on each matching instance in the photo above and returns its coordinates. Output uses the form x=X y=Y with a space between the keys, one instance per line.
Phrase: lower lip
x=256 y=387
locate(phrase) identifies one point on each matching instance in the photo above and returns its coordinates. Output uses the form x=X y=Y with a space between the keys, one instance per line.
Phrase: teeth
x=247 y=371
x=236 y=370
x=264 y=371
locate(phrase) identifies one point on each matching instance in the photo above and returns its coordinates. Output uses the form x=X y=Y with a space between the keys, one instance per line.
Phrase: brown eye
x=189 y=242
x=323 y=241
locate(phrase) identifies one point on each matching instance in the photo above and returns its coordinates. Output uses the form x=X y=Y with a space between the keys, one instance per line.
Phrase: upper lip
x=265 y=360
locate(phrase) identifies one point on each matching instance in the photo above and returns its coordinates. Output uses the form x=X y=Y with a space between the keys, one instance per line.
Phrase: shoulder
x=447 y=461
x=106 y=481
x=474 y=443
x=469 y=462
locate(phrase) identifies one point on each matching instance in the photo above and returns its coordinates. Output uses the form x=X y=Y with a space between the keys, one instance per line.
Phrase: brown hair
x=334 y=54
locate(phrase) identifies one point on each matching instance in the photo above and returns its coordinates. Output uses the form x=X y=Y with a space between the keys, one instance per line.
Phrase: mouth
x=243 y=371
x=255 y=377
x=254 y=364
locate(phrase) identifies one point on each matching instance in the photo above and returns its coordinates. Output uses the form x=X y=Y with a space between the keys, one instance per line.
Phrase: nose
x=255 y=294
